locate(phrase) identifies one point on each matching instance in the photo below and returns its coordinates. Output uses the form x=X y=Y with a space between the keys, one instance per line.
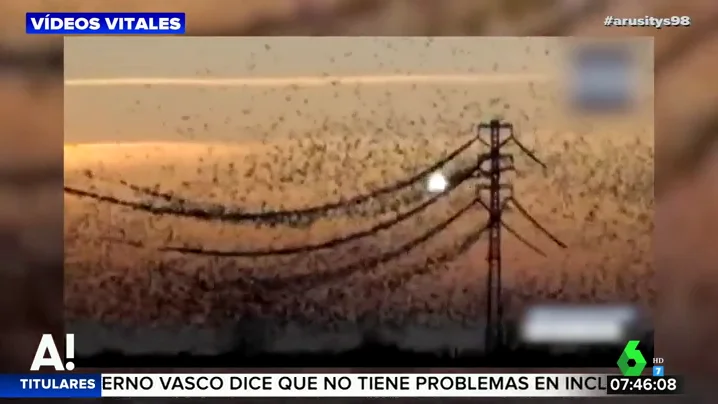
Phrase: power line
x=298 y=221
x=513 y=202
x=309 y=281
x=445 y=257
x=468 y=241
x=494 y=225
x=303 y=216
x=384 y=225
x=495 y=207
x=263 y=287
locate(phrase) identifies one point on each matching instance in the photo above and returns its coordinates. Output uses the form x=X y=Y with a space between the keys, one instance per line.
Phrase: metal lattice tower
x=495 y=159
x=500 y=196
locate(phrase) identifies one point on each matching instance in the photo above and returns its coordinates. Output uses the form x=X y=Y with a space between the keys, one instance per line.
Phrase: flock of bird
x=146 y=258
x=278 y=227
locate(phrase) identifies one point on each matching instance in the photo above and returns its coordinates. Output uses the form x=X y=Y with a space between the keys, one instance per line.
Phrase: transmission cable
x=297 y=220
x=305 y=282
x=314 y=212
x=431 y=263
x=259 y=287
x=444 y=258
x=534 y=222
x=384 y=225
x=469 y=241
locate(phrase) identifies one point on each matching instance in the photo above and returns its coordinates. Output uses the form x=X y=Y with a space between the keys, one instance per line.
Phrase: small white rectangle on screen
x=578 y=324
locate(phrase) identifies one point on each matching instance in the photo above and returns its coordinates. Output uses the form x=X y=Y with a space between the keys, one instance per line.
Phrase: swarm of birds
x=210 y=233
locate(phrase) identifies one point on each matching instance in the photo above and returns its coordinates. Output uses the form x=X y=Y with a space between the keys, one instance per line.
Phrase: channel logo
x=631 y=363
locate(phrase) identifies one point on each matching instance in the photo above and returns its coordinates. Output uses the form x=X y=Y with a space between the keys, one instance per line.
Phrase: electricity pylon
x=499 y=162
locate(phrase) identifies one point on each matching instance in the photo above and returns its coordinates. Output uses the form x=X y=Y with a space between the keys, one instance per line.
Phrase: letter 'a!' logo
x=631 y=352
x=47 y=354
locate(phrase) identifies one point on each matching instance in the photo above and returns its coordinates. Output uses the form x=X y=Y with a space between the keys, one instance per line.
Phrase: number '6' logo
x=631 y=352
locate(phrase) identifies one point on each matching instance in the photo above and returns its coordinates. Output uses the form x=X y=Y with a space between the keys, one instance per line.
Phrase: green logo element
x=630 y=352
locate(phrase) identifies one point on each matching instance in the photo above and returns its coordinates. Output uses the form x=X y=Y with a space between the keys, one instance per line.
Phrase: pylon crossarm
x=502 y=186
x=478 y=134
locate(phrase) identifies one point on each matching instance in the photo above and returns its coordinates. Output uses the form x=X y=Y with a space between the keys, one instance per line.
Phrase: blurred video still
x=377 y=202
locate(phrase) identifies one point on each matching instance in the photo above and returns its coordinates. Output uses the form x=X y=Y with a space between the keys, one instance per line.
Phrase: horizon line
x=306 y=80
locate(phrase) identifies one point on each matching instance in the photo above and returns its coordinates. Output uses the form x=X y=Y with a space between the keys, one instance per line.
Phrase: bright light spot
x=437 y=183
